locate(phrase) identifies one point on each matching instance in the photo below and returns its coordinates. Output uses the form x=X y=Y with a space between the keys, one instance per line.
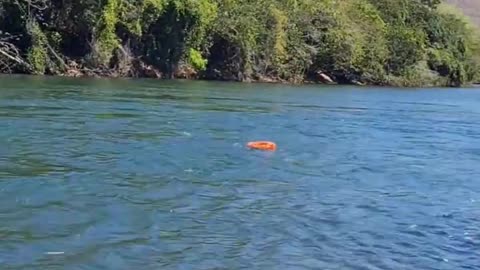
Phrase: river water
x=145 y=174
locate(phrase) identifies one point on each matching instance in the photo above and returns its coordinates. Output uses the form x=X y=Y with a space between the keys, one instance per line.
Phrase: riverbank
x=381 y=42
x=240 y=84
x=86 y=74
x=143 y=70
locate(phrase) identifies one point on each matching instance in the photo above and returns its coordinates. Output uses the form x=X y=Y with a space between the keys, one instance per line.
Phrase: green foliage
x=348 y=45
x=37 y=53
x=280 y=37
x=464 y=42
x=417 y=75
x=107 y=40
x=196 y=60
x=138 y=17
x=407 y=48
x=399 y=42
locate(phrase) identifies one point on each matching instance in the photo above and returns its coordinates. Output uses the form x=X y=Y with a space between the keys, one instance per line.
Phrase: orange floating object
x=263 y=145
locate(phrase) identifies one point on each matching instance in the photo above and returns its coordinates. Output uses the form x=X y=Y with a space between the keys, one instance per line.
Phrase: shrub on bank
x=384 y=42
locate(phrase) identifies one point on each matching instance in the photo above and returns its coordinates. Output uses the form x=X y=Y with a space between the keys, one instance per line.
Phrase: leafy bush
x=399 y=42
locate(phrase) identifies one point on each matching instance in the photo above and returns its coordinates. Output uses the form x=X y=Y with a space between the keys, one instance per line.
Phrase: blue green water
x=125 y=174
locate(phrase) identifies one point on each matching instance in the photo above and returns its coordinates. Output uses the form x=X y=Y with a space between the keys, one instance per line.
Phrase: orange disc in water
x=263 y=145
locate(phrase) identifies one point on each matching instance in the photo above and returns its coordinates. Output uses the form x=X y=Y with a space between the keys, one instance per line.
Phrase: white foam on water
x=55 y=253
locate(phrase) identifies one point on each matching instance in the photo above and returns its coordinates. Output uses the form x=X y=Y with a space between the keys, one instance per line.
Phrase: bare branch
x=27 y=6
x=10 y=56
x=37 y=4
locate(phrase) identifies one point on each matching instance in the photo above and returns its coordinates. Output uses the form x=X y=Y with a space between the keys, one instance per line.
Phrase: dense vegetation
x=394 y=42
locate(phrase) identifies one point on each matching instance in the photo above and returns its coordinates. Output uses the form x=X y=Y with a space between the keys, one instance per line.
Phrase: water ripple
x=105 y=174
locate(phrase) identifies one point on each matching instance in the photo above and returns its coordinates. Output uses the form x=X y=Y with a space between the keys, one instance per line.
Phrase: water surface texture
x=125 y=174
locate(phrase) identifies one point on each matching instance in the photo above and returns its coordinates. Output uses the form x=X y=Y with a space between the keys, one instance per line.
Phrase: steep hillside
x=381 y=42
x=469 y=7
